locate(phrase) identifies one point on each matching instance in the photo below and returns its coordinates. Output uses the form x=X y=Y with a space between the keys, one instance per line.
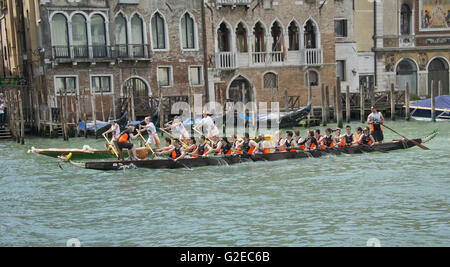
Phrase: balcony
x=100 y=52
x=233 y=3
x=226 y=60
x=313 y=56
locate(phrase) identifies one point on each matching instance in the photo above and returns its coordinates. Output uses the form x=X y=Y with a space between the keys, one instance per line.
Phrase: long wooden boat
x=85 y=154
x=166 y=163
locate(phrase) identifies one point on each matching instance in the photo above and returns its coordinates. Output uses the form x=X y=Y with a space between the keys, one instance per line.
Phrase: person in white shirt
x=115 y=130
x=376 y=121
x=177 y=127
x=153 y=138
x=2 y=110
x=209 y=125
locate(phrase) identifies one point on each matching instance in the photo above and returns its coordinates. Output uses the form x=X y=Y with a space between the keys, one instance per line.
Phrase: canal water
x=400 y=198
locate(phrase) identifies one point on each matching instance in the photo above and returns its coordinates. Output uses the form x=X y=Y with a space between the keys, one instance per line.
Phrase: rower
x=359 y=132
x=217 y=145
x=367 y=138
x=297 y=137
x=317 y=135
x=338 y=138
x=177 y=127
x=227 y=147
x=208 y=123
x=289 y=142
x=176 y=152
x=153 y=138
x=280 y=145
x=192 y=145
x=348 y=140
x=115 y=130
x=248 y=147
x=168 y=146
x=375 y=120
x=263 y=145
x=235 y=140
x=125 y=142
x=203 y=148
x=328 y=140
x=310 y=142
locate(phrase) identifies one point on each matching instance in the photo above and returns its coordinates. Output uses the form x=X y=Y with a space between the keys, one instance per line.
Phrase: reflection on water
x=400 y=198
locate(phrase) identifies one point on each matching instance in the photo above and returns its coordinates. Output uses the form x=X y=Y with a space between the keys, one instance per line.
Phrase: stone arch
x=241 y=89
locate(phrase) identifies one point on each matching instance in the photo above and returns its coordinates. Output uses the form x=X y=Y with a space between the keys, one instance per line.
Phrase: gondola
x=166 y=163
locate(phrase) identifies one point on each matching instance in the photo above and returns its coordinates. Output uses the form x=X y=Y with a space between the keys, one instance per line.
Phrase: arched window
x=188 y=32
x=276 y=36
x=241 y=38
x=310 y=35
x=294 y=37
x=158 y=31
x=60 y=36
x=407 y=74
x=270 y=81
x=137 y=35
x=259 y=34
x=98 y=36
x=79 y=36
x=121 y=35
x=438 y=72
x=405 y=20
x=313 y=77
x=223 y=35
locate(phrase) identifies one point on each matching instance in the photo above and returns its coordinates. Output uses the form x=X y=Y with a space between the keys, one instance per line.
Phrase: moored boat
x=166 y=163
x=422 y=109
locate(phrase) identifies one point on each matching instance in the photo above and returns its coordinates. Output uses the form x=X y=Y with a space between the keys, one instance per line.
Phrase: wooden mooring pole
x=327 y=103
x=22 y=121
x=335 y=117
x=361 y=104
x=324 y=115
x=433 y=102
x=407 y=98
x=339 y=103
x=392 y=102
x=347 y=104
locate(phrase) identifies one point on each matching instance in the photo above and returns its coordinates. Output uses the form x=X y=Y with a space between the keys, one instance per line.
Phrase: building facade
x=259 y=50
x=413 y=45
x=346 y=46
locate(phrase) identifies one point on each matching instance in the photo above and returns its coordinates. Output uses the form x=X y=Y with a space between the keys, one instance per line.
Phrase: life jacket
x=195 y=154
x=289 y=145
x=124 y=138
x=226 y=149
x=347 y=140
x=311 y=143
x=301 y=145
x=279 y=149
x=176 y=153
x=245 y=148
x=328 y=142
x=265 y=150
x=201 y=150
x=366 y=140
x=215 y=146
x=376 y=127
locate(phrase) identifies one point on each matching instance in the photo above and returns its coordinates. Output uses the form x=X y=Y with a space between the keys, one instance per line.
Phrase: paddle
x=147 y=145
x=173 y=137
x=111 y=146
x=413 y=141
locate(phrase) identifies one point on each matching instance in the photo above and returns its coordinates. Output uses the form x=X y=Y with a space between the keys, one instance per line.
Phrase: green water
x=400 y=198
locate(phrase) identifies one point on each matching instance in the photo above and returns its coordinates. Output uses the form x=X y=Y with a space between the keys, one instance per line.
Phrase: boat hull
x=78 y=154
x=425 y=114
x=235 y=159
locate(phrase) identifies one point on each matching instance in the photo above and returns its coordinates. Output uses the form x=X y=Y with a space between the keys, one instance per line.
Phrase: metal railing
x=226 y=60
x=101 y=51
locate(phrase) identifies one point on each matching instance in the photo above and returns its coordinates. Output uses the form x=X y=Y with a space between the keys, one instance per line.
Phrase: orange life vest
x=123 y=138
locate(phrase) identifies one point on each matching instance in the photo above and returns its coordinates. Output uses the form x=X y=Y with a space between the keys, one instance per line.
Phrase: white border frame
x=135 y=77
x=202 y=79
x=171 y=80
x=428 y=29
x=77 y=83
x=196 y=46
x=111 y=76
x=262 y=79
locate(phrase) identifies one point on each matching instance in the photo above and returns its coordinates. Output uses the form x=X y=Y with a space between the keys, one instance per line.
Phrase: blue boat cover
x=442 y=102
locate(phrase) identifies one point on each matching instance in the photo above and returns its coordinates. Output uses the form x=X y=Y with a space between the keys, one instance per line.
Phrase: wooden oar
x=147 y=145
x=112 y=147
x=173 y=137
x=413 y=141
